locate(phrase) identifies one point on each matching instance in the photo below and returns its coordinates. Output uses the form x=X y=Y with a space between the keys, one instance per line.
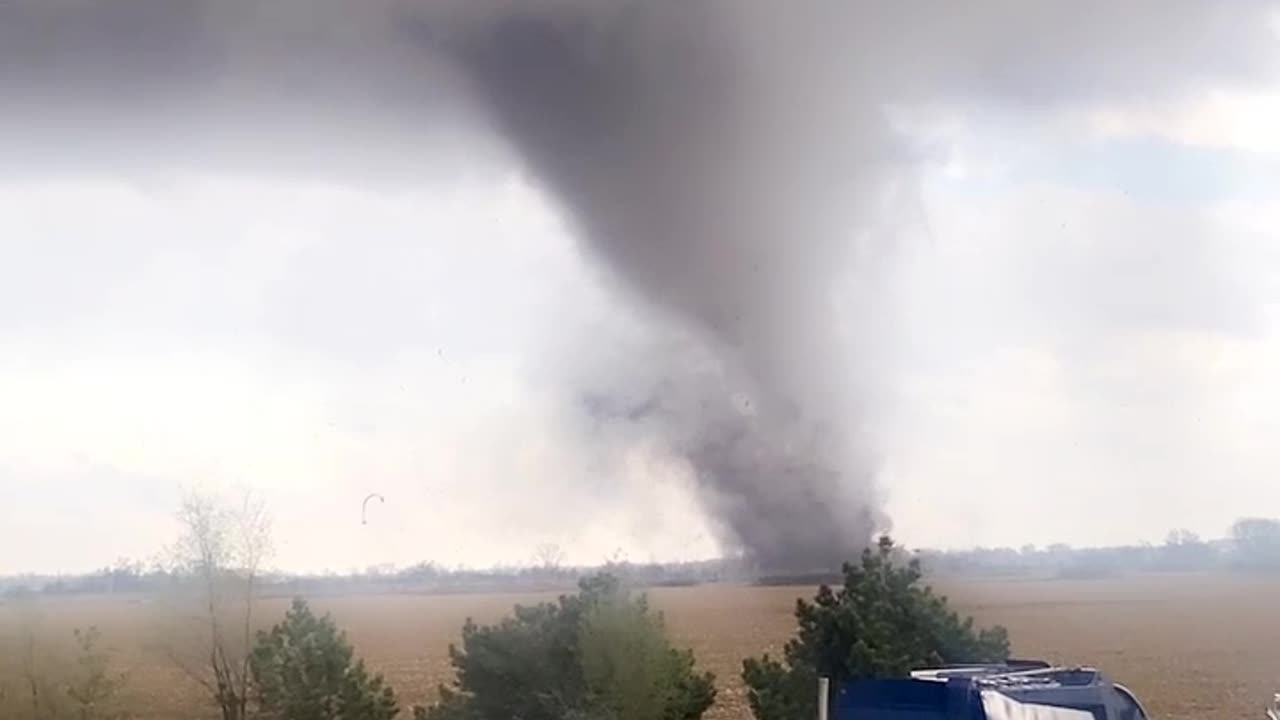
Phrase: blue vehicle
x=1017 y=690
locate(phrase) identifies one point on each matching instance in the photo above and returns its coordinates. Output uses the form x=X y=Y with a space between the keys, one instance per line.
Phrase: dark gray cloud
x=282 y=87
x=360 y=90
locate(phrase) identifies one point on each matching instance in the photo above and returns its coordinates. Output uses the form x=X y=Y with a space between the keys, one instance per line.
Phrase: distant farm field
x=1190 y=646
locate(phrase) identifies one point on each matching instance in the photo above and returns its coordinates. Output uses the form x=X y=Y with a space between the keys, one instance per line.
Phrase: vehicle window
x=635 y=359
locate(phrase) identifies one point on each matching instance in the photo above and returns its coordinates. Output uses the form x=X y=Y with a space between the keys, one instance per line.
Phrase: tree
x=94 y=690
x=1257 y=542
x=1184 y=550
x=599 y=654
x=304 y=669
x=222 y=548
x=548 y=556
x=630 y=669
x=51 y=690
x=882 y=623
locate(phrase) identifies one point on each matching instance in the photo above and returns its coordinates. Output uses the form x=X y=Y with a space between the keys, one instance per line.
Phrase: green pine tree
x=304 y=669
x=601 y=654
x=883 y=622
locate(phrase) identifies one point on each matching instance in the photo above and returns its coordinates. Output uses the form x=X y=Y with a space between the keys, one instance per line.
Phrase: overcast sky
x=1084 y=311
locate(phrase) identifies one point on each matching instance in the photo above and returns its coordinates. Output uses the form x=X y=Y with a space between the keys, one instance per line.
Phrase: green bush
x=630 y=669
x=882 y=623
x=598 y=655
x=304 y=669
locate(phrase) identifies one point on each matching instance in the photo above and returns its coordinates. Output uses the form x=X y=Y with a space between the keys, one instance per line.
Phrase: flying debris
x=364 y=507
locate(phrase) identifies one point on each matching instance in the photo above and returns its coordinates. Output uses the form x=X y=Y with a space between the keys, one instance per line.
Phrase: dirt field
x=1190 y=646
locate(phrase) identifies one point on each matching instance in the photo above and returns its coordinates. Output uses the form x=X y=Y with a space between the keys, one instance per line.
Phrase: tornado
x=718 y=160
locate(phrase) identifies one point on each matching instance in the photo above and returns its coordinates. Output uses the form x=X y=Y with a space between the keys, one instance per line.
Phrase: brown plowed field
x=1204 y=647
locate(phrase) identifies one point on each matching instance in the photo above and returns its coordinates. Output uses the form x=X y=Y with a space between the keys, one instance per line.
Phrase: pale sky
x=1084 y=321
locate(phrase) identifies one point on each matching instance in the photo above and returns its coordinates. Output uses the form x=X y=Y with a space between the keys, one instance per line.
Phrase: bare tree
x=548 y=556
x=222 y=549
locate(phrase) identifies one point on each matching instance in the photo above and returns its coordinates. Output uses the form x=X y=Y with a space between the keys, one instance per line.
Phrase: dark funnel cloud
x=729 y=164
x=716 y=164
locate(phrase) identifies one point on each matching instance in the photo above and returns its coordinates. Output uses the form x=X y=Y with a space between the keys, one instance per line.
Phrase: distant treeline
x=127 y=576
x=1253 y=545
